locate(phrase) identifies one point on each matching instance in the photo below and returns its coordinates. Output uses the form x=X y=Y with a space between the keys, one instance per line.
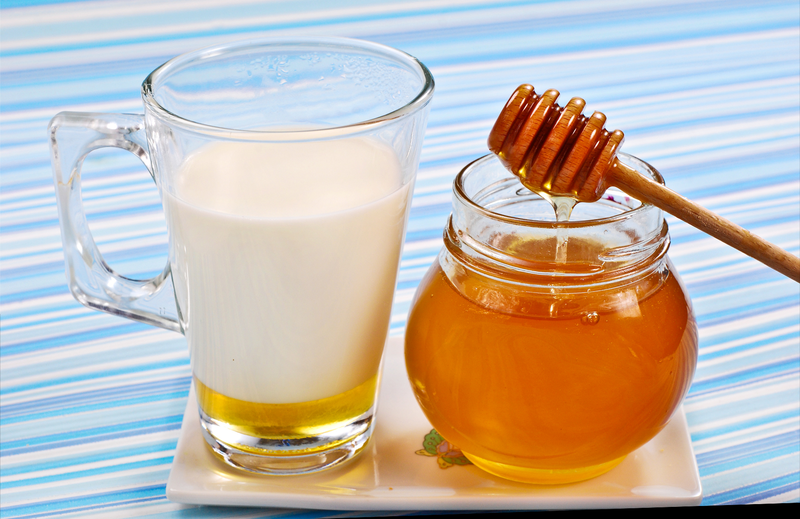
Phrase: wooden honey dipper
x=560 y=152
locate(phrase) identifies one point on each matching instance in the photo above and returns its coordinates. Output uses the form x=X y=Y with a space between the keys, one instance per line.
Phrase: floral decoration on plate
x=446 y=453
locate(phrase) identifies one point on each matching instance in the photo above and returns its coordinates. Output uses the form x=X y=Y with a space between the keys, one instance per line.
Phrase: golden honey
x=550 y=371
x=287 y=421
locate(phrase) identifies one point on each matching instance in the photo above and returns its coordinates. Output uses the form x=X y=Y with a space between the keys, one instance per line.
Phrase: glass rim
x=461 y=195
x=422 y=98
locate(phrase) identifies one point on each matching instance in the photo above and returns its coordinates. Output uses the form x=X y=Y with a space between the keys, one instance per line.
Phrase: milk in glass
x=284 y=258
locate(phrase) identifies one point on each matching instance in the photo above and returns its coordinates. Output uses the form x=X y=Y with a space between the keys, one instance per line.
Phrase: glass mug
x=543 y=370
x=285 y=169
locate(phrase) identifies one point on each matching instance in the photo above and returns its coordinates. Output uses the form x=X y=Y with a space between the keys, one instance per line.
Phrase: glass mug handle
x=73 y=135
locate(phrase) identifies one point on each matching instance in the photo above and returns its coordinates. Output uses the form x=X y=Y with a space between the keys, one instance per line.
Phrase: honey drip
x=563 y=206
x=555 y=152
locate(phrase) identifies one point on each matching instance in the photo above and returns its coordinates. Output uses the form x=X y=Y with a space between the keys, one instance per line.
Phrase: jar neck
x=504 y=250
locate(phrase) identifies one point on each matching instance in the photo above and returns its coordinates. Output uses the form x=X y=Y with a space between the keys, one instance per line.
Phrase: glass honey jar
x=547 y=351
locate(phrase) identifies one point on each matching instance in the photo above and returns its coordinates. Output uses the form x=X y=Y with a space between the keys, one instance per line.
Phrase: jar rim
x=461 y=195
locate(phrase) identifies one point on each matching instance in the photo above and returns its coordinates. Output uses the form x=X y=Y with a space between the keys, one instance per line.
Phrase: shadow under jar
x=542 y=370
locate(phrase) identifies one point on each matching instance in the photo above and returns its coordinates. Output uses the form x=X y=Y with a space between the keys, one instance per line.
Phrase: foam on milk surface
x=284 y=259
x=289 y=180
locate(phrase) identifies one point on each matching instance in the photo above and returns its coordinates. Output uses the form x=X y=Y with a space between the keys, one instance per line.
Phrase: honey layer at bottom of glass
x=287 y=421
x=553 y=395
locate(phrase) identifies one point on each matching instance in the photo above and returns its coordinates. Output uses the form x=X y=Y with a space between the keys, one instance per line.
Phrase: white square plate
x=389 y=475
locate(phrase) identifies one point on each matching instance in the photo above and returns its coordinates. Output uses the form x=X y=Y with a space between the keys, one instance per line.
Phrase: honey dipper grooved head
x=555 y=150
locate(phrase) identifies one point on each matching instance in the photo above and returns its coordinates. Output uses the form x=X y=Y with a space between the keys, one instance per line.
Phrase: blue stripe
x=88 y=472
x=241 y=30
x=156 y=387
x=755 y=25
x=748 y=453
x=116 y=504
x=90 y=436
x=88 y=376
x=748 y=346
x=118 y=213
x=744 y=424
x=81 y=502
x=125 y=327
x=88 y=458
x=94 y=407
x=158 y=251
x=752 y=310
x=764 y=494
x=747 y=376
x=7 y=4
x=749 y=492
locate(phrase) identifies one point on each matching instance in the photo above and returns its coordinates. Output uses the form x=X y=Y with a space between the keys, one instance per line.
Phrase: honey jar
x=547 y=351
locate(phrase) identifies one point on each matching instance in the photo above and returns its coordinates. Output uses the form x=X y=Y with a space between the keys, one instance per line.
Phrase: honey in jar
x=544 y=365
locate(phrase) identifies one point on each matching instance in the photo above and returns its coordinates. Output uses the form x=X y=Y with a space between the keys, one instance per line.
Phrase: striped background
x=707 y=91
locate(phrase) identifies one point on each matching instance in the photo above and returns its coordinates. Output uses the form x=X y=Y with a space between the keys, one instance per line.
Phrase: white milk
x=284 y=259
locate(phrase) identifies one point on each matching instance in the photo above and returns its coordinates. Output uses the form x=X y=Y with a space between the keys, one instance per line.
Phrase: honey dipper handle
x=646 y=190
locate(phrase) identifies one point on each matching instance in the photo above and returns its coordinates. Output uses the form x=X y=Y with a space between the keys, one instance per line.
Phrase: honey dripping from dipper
x=567 y=158
x=556 y=152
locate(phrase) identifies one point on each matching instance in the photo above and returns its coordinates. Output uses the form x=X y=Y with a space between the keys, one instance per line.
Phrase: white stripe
x=133 y=104
x=422 y=201
x=57 y=426
x=749 y=339
x=150 y=336
x=90 y=448
x=92 y=321
x=404 y=295
x=85 y=11
x=9 y=153
x=780 y=498
x=142 y=231
x=424 y=261
x=731 y=397
x=768 y=192
x=172 y=48
x=105 y=382
x=10 y=382
x=719 y=135
x=786 y=360
x=446 y=129
x=101 y=225
x=750 y=467
x=741 y=417
x=742 y=268
x=485 y=14
x=434 y=188
x=46 y=316
x=27 y=304
x=692 y=95
x=57 y=489
x=750 y=434
x=617 y=52
x=78 y=466
x=748 y=322
x=434 y=243
x=126 y=511
x=665 y=163
x=721 y=258
x=707 y=244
